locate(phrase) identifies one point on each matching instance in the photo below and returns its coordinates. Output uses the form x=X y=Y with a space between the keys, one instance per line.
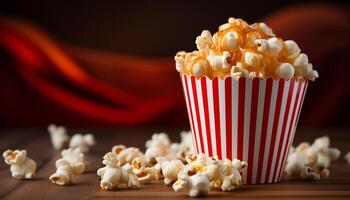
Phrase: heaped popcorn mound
x=242 y=50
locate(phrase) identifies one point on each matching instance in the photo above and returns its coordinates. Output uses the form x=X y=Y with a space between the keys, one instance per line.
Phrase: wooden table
x=39 y=148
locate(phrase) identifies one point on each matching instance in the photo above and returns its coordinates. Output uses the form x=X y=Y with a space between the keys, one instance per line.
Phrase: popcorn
x=238 y=71
x=285 y=70
x=252 y=59
x=274 y=45
x=75 y=159
x=145 y=174
x=196 y=185
x=230 y=41
x=238 y=49
x=301 y=61
x=58 y=135
x=267 y=30
x=347 y=157
x=311 y=162
x=84 y=142
x=64 y=173
x=180 y=61
x=126 y=155
x=204 y=41
x=158 y=146
x=292 y=48
x=22 y=167
x=170 y=169
x=199 y=68
x=113 y=176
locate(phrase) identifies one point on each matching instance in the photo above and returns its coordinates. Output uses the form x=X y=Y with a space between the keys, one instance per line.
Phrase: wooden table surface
x=37 y=143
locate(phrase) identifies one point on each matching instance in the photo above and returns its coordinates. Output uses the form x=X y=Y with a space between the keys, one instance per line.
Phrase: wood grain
x=86 y=186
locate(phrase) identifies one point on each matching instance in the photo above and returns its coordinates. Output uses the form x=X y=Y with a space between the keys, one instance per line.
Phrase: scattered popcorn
x=311 y=162
x=126 y=155
x=196 y=185
x=84 y=142
x=222 y=175
x=260 y=54
x=113 y=176
x=75 y=159
x=58 y=136
x=64 y=173
x=145 y=174
x=158 y=146
x=170 y=169
x=347 y=157
x=22 y=167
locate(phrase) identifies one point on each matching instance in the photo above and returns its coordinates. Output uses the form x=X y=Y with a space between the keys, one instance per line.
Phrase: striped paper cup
x=252 y=120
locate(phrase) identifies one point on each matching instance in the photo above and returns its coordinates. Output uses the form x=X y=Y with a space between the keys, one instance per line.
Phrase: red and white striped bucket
x=252 y=120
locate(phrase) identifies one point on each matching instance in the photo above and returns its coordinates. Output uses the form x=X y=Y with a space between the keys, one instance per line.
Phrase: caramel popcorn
x=242 y=50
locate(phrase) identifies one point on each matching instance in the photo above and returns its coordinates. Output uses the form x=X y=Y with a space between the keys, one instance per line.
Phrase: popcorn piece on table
x=58 y=136
x=84 y=142
x=196 y=185
x=145 y=174
x=221 y=174
x=185 y=147
x=22 y=167
x=347 y=157
x=126 y=155
x=114 y=176
x=158 y=146
x=75 y=159
x=64 y=173
x=311 y=162
x=170 y=169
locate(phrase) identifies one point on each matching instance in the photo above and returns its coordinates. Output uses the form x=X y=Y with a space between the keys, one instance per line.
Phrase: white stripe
x=248 y=98
x=211 y=114
x=259 y=119
x=202 y=116
x=269 y=128
x=222 y=103
x=183 y=77
x=234 y=117
x=279 y=127
x=288 y=123
x=194 y=113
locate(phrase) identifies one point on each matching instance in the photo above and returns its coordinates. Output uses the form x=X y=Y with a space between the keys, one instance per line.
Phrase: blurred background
x=110 y=63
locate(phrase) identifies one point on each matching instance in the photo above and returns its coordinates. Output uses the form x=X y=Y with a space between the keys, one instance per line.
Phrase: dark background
x=150 y=28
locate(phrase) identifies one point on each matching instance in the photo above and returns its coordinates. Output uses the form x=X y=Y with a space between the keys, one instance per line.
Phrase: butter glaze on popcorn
x=242 y=50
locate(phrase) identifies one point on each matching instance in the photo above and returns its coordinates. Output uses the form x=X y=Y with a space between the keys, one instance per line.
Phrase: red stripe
x=274 y=128
x=228 y=110
x=240 y=125
x=217 y=116
x=267 y=102
x=252 y=128
x=301 y=102
x=290 y=128
x=195 y=99
x=206 y=113
x=284 y=124
x=190 y=113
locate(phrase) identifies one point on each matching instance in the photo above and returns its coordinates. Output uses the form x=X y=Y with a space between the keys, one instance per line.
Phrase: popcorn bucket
x=252 y=120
